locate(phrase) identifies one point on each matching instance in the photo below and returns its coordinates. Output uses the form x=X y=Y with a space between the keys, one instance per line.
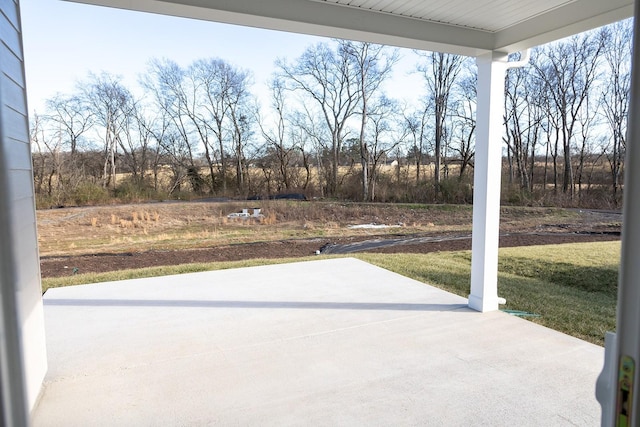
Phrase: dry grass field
x=175 y=225
x=109 y=238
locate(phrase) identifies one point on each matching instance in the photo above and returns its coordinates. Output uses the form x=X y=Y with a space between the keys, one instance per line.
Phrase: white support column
x=486 y=182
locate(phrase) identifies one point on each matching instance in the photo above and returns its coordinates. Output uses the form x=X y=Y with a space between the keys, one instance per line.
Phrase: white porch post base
x=486 y=182
x=483 y=304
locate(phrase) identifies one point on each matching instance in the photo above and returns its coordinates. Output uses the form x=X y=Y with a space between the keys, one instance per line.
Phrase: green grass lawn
x=571 y=288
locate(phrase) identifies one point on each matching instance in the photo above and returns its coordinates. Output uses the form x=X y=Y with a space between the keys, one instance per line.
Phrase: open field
x=108 y=238
x=180 y=225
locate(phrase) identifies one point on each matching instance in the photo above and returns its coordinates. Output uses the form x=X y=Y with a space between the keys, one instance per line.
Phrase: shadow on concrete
x=255 y=304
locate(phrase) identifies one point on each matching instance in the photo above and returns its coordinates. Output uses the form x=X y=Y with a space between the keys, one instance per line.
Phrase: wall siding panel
x=9 y=36
x=19 y=154
x=21 y=188
x=14 y=126
x=10 y=10
x=12 y=65
x=12 y=94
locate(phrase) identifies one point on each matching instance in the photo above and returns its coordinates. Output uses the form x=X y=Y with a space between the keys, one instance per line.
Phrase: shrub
x=456 y=191
x=90 y=194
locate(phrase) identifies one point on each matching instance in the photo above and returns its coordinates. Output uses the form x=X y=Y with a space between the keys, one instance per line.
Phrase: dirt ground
x=443 y=230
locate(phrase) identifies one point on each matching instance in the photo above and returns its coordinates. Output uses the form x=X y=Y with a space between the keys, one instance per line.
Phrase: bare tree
x=416 y=124
x=524 y=112
x=569 y=70
x=440 y=71
x=584 y=142
x=200 y=86
x=241 y=115
x=73 y=117
x=68 y=120
x=154 y=127
x=209 y=101
x=223 y=91
x=135 y=143
x=385 y=135
x=319 y=138
x=36 y=134
x=535 y=129
x=165 y=81
x=276 y=136
x=111 y=104
x=329 y=79
x=301 y=141
x=615 y=97
x=373 y=65
x=51 y=160
x=464 y=126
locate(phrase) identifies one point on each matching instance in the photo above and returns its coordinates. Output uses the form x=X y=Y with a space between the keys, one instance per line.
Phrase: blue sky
x=65 y=41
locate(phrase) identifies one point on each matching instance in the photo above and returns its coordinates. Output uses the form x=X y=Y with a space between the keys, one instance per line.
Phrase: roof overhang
x=469 y=27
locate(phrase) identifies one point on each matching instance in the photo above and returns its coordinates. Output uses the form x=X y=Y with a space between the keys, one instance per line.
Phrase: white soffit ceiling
x=468 y=27
x=485 y=15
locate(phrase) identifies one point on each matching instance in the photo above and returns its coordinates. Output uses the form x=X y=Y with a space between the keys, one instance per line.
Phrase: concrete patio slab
x=332 y=342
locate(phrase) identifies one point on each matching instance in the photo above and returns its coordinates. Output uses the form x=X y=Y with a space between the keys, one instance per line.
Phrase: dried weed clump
x=268 y=219
x=139 y=218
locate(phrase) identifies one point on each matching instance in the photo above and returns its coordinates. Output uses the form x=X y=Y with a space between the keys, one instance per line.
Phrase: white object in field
x=371 y=226
x=245 y=214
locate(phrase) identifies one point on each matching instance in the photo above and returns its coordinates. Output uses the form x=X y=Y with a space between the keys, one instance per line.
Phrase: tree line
x=331 y=129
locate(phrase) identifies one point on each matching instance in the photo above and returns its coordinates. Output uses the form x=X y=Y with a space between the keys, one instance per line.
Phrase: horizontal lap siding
x=18 y=223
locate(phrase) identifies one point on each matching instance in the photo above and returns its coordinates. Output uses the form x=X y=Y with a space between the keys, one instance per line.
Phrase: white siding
x=20 y=266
